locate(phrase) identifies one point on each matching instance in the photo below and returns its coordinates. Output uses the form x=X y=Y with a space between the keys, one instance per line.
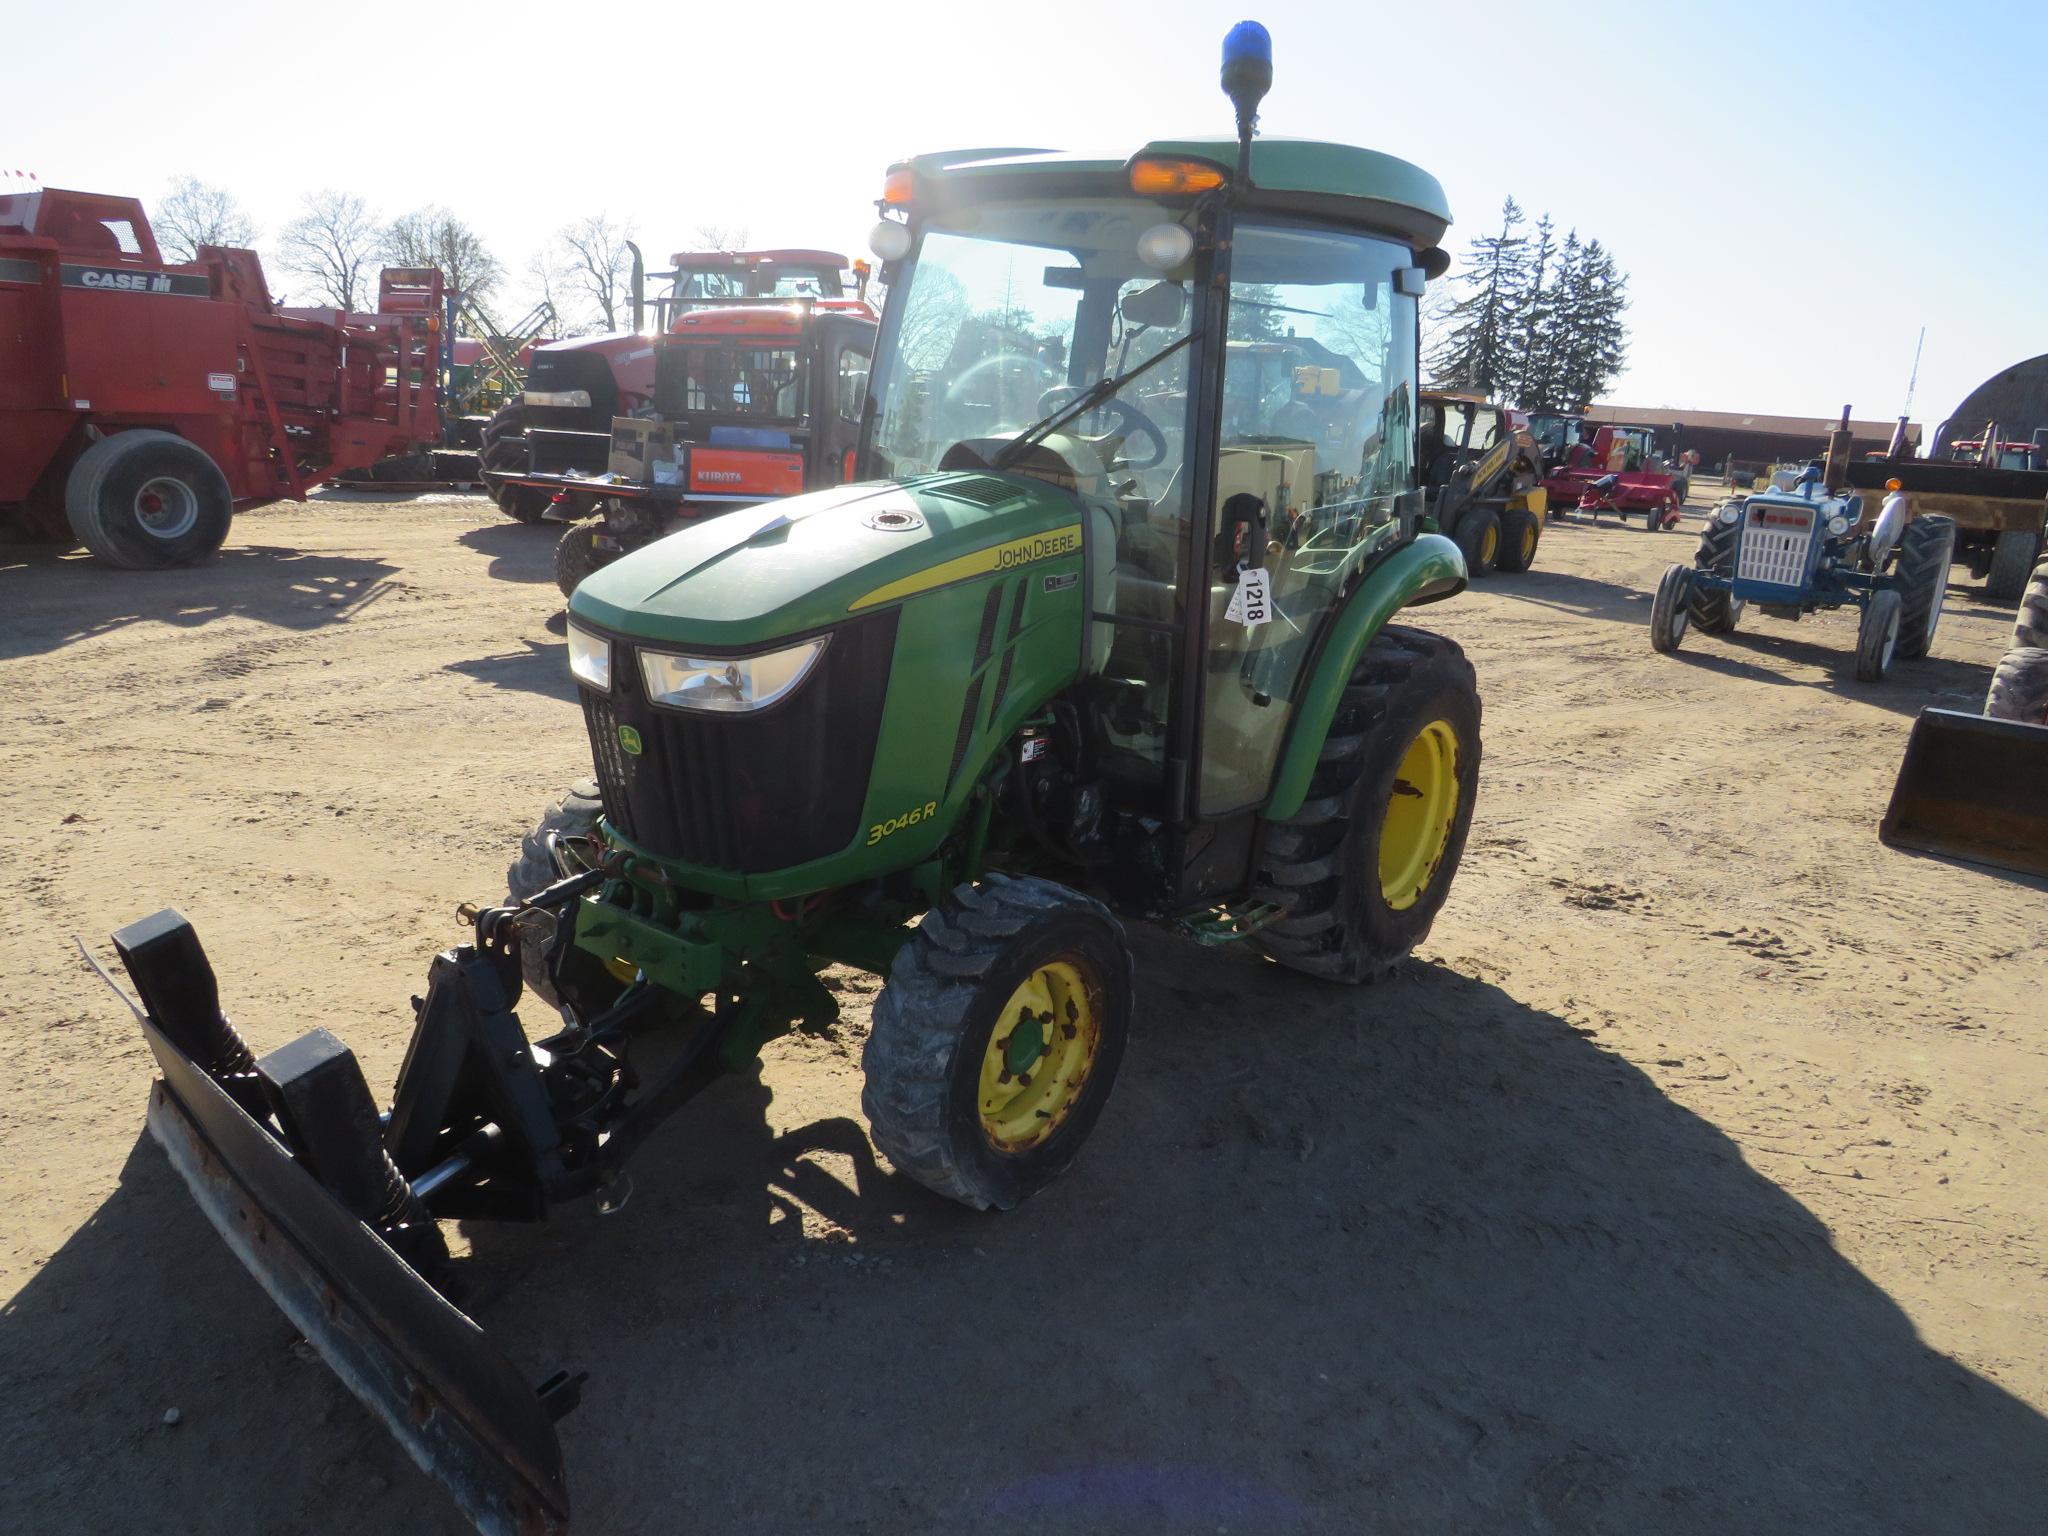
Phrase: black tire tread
x=575 y=813
x=2012 y=557
x=1301 y=859
x=577 y=555
x=504 y=448
x=2019 y=688
x=2030 y=629
x=907 y=1061
x=1716 y=613
x=1925 y=549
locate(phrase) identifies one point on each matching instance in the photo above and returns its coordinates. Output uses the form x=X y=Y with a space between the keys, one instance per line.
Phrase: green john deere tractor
x=1105 y=630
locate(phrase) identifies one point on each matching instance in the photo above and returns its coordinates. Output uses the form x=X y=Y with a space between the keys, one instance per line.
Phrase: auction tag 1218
x=1249 y=604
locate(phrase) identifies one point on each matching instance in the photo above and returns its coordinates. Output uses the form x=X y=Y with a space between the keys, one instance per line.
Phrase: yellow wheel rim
x=1039 y=1055
x=1528 y=544
x=1417 y=826
x=1489 y=546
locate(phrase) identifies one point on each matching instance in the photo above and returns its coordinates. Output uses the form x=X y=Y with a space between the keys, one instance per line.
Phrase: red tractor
x=580 y=385
x=751 y=402
x=143 y=403
x=1624 y=472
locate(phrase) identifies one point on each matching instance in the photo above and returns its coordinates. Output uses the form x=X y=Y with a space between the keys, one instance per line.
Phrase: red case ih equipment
x=142 y=402
x=1621 y=472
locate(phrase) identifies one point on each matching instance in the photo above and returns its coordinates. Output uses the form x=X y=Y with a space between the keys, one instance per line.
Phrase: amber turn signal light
x=1159 y=177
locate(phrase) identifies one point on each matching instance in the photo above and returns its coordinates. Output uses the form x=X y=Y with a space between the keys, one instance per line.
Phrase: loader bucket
x=460 y=1408
x=1973 y=788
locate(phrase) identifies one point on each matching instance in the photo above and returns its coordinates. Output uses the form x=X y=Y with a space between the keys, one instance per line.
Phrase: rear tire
x=949 y=1091
x=1478 y=539
x=1361 y=880
x=577 y=555
x=145 y=500
x=2031 y=628
x=1520 y=532
x=1925 y=549
x=2012 y=557
x=503 y=453
x=574 y=815
x=1671 y=609
x=2019 y=688
x=1877 y=635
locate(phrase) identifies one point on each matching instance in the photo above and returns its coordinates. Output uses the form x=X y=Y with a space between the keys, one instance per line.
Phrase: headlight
x=579 y=398
x=590 y=658
x=728 y=684
x=1838 y=525
x=1731 y=513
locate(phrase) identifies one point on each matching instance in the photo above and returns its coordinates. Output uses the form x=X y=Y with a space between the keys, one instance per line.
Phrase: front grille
x=1775 y=542
x=747 y=793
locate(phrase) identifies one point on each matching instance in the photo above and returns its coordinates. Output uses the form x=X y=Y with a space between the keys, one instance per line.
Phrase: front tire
x=577 y=555
x=1478 y=540
x=2019 y=688
x=1925 y=549
x=2012 y=557
x=503 y=453
x=145 y=500
x=1877 y=635
x=1716 y=613
x=1671 y=609
x=575 y=814
x=1363 y=868
x=2030 y=629
x=1520 y=532
x=996 y=1041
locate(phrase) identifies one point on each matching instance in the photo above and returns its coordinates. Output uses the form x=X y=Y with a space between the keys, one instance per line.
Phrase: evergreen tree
x=1477 y=352
x=1590 y=339
x=1554 y=338
x=1530 y=365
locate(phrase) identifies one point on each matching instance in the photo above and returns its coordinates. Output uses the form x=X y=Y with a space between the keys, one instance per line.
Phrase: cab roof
x=1311 y=176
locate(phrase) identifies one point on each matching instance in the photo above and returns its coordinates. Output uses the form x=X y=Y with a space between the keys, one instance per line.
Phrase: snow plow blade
x=460 y=1408
x=1973 y=788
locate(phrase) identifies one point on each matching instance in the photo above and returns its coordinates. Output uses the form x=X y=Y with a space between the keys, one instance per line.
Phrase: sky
x=1793 y=188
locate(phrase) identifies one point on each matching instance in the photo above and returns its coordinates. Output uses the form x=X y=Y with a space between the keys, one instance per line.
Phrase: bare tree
x=434 y=237
x=330 y=245
x=196 y=214
x=597 y=266
x=722 y=237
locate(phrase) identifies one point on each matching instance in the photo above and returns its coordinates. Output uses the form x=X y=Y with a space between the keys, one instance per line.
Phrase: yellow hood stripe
x=1049 y=545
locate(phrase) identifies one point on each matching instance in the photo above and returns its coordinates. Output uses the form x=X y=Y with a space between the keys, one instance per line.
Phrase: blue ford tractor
x=1795 y=552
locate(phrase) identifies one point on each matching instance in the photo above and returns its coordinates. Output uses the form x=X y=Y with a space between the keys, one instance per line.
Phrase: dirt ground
x=1689 y=1180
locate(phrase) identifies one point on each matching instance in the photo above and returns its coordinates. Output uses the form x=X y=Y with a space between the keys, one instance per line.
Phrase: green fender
x=1424 y=571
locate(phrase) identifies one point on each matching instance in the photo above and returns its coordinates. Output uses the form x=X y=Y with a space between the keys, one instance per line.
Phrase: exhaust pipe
x=639 y=289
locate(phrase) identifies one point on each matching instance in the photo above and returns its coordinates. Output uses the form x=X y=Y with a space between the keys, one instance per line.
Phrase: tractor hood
x=789 y=567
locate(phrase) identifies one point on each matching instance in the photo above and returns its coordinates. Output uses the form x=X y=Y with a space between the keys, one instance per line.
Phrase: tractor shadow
x=541 y=667
x=1422 y=1250
x=1908 y=688
x=51 y=599
x=518 y=551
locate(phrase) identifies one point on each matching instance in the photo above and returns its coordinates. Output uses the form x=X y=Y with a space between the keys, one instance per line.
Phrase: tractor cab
x=751 y=401
x=1216 y=374
x=712 y=277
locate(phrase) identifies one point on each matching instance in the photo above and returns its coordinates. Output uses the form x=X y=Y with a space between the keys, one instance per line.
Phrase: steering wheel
x=1131 y=422
x=1019 y=360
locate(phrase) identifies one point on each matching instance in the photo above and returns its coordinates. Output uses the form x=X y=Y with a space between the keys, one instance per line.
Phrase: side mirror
x=1411 y=281
x=1160 y=305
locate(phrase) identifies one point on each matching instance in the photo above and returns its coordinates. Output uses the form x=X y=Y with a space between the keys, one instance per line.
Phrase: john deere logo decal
x=629 y=740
